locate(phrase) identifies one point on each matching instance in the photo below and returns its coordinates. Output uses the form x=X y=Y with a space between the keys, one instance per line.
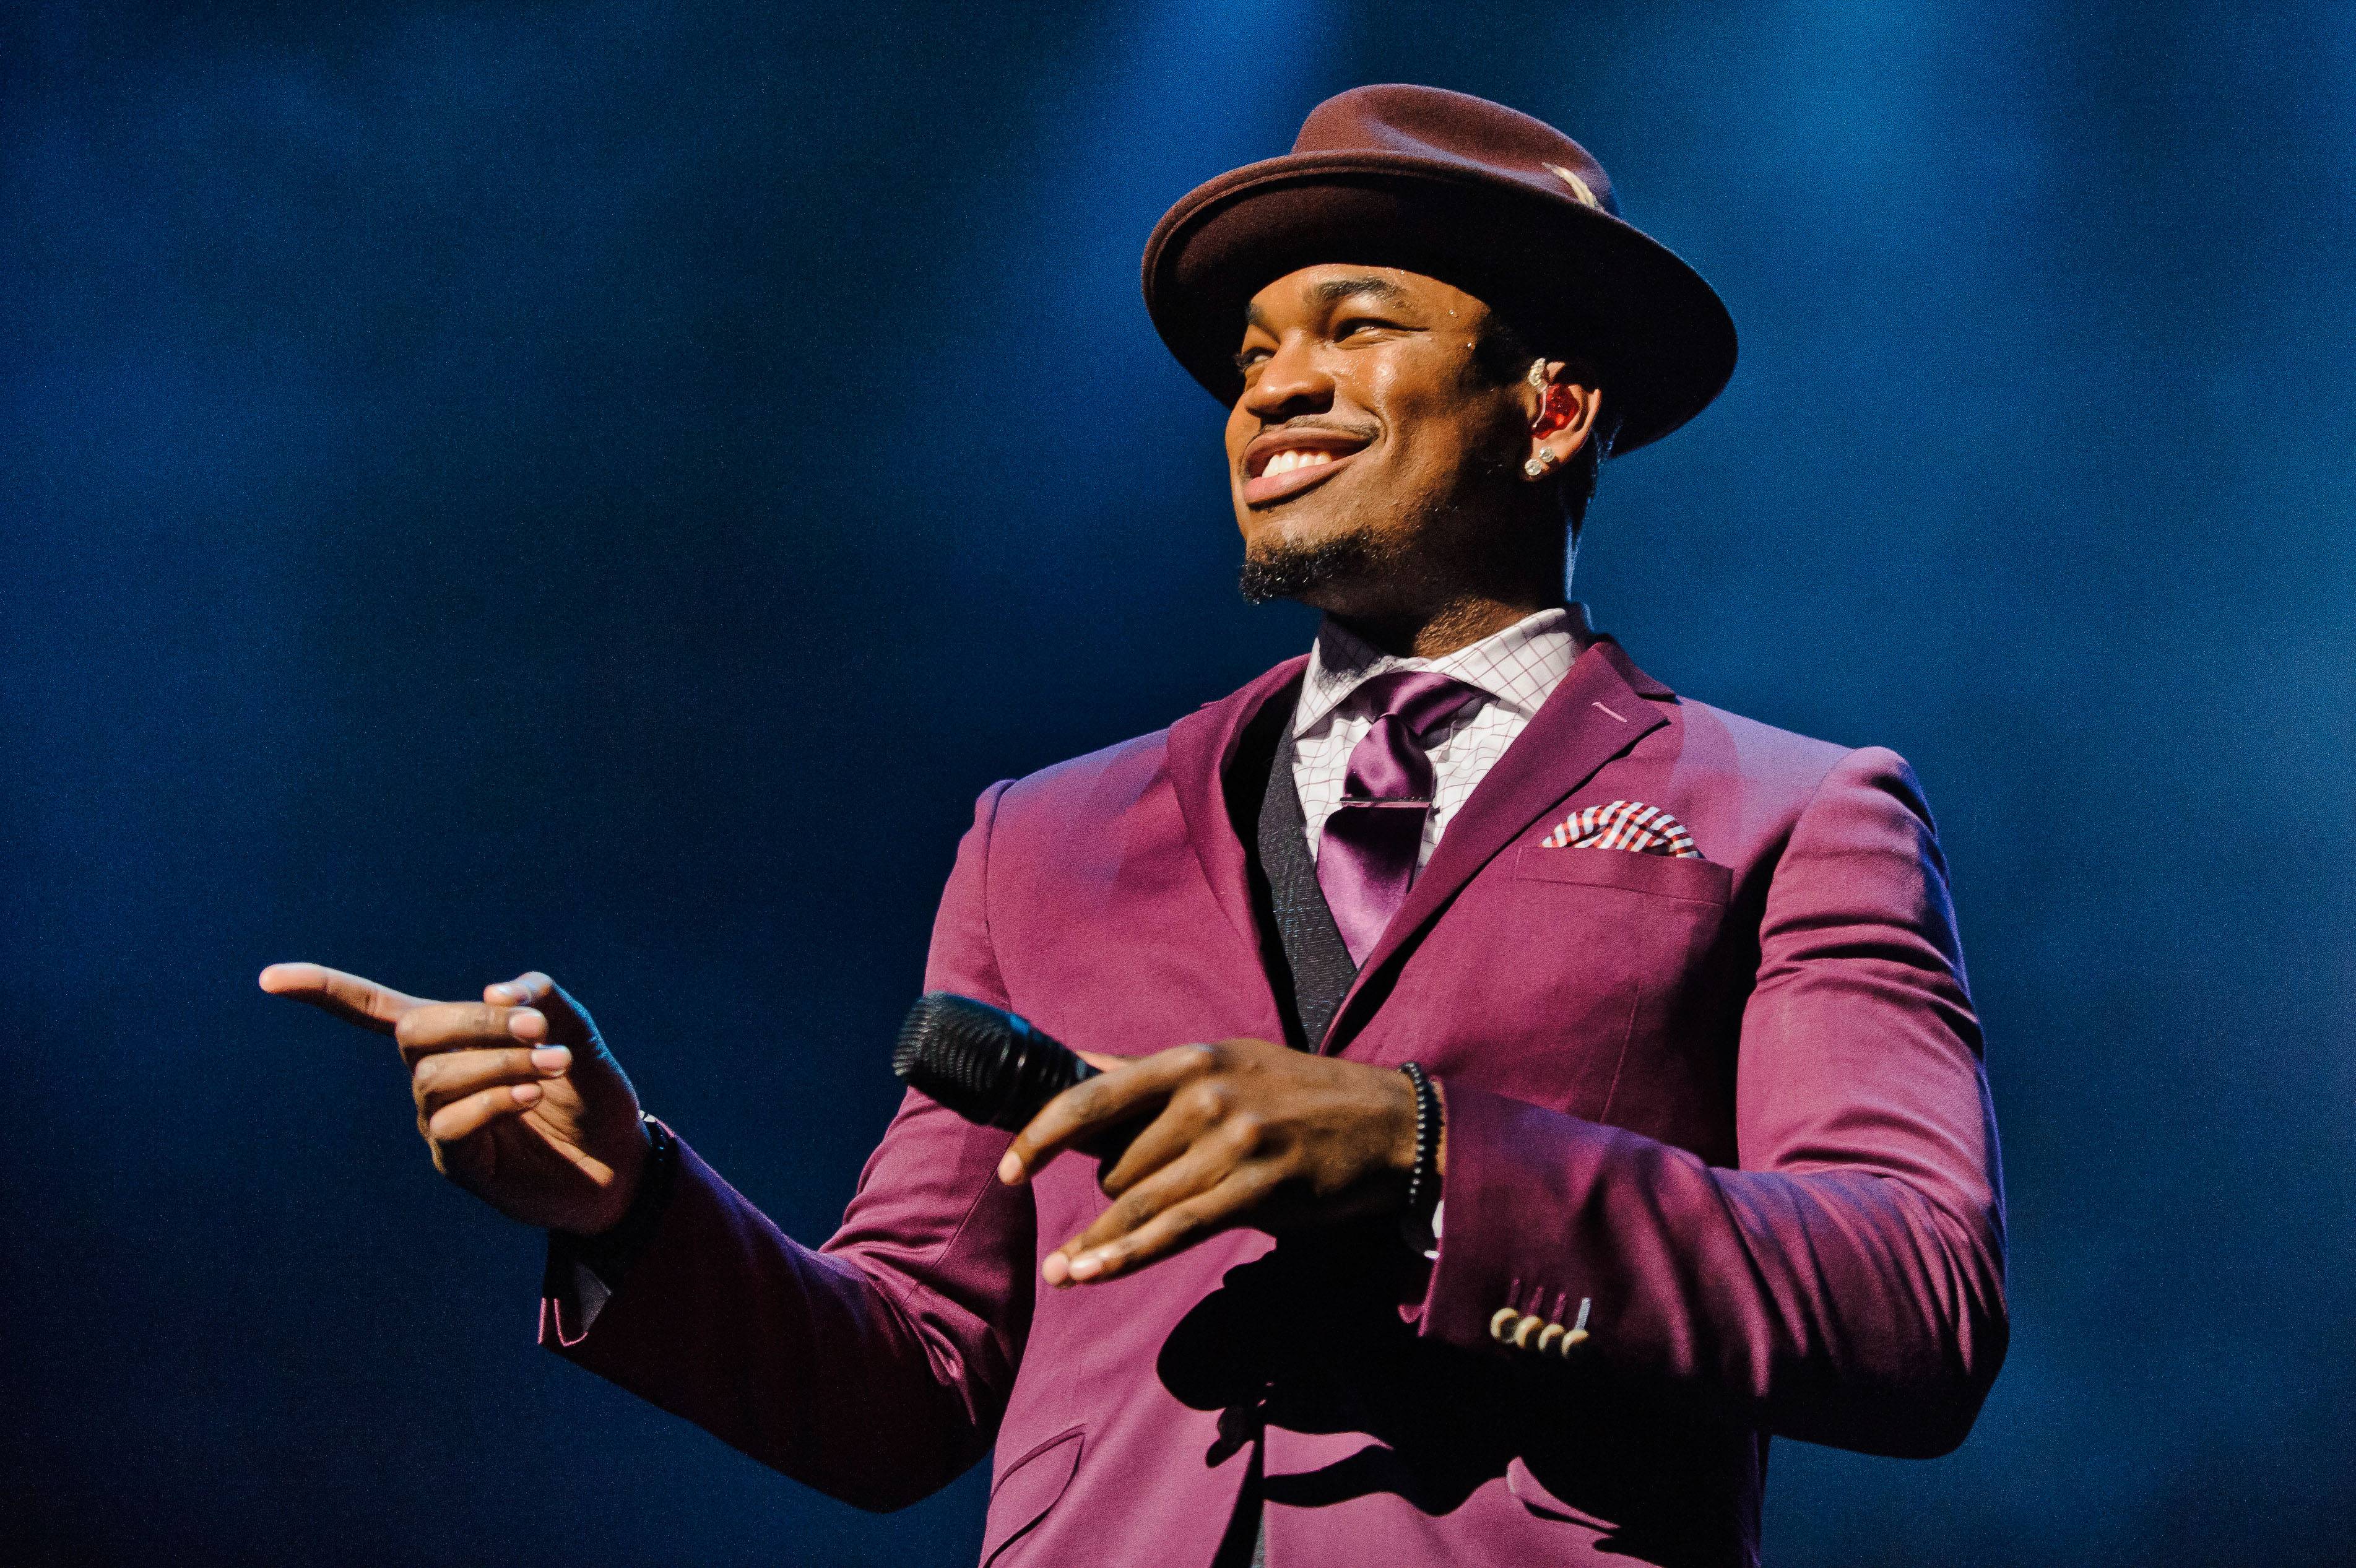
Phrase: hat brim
x=1571 y=279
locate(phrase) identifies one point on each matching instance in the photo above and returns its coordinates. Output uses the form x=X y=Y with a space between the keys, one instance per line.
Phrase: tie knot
x=1421 y=700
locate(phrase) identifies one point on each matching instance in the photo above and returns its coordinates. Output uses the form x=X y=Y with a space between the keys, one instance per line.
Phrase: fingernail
x=500 y=993
x=551 y=1059
x=1010 y=1168
x=1087 y=1265
x=525 y=1093
x=521 y=1015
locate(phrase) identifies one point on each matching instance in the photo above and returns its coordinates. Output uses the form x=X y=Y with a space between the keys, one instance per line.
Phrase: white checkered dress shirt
x=1517 y=668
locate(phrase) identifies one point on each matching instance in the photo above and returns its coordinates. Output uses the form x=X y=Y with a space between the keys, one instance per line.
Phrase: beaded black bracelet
x=1424 y=1181
x=610 y=1253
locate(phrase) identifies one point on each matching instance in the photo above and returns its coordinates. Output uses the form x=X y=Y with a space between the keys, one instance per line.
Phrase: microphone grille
x=987 y=1066
x=954 y=1048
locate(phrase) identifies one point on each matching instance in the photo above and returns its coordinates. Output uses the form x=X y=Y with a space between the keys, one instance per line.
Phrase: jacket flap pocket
x=1667 y=876
x=1031 y=1486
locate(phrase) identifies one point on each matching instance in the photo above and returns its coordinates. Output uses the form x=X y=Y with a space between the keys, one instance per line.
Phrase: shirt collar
x=1519 y=666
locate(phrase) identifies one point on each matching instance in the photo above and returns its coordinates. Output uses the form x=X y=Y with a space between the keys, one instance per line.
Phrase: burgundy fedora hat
x=1503 y=206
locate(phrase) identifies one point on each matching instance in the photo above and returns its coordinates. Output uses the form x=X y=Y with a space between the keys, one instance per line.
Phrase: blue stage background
x=601 y=486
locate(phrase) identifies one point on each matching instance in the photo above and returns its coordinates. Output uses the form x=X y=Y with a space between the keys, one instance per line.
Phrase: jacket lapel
x=1597 y=712
x=1200 y=747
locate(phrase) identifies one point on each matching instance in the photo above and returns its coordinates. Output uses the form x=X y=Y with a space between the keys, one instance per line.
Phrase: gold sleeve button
x=1501 y=1322
x=1547 y=1335
x=1528 y=1326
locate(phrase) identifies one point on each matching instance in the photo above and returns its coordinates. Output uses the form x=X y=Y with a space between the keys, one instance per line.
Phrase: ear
x=1563 y=415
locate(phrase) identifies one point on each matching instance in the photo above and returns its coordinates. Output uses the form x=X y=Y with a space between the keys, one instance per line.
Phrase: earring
x=1555 y=411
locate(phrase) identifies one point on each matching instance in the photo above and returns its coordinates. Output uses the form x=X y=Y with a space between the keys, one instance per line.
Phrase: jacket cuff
x=1509 y=1259
x=584 y=1272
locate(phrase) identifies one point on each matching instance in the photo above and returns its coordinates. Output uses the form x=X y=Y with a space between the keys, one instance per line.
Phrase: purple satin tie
x=1365 y=858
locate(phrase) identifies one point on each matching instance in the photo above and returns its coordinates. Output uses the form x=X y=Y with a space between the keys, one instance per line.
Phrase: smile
x=1281 y=464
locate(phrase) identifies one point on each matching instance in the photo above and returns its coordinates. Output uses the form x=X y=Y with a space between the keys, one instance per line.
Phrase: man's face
x=1371 y=443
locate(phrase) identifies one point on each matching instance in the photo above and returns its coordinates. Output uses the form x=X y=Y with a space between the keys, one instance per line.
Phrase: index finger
x=347 y=996
x=1106 y=1101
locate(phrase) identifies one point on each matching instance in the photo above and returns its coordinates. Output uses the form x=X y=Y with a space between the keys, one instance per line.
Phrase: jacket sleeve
x=1846 y=1283
x=876 y=1367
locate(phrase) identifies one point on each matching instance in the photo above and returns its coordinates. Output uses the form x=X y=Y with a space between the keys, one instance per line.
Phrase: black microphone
x=988 y=1066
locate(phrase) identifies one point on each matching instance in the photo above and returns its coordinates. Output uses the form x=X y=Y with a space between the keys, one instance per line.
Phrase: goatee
x=1295 y=571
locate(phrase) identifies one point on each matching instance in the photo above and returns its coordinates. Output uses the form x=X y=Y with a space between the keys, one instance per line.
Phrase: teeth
x=1284 y=462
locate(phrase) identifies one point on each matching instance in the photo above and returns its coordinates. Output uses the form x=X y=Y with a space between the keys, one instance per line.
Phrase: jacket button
x=1522 y=1330
x=1501 y=1322
x=1573 y=1339
x=1547 y=1335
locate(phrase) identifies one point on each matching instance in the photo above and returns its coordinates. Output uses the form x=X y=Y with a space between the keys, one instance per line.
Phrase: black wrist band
x=610 y=1253
x=1424 y=1181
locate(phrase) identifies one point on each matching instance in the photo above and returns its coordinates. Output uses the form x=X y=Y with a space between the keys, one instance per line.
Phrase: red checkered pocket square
x=1624 y=824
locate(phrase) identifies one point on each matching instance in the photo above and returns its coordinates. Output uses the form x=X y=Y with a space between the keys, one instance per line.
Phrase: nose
x=1291 y=383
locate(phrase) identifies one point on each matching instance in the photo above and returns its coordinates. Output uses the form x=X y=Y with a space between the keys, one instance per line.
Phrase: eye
x=1352 y=327
x=1250 y=358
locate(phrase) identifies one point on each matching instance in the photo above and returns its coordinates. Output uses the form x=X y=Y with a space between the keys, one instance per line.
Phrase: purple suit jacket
x=1736 y=1105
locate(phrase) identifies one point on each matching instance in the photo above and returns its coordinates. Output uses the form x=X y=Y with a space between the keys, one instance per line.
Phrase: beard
x=1475 y=532
x=1287 y=571
x=1443 y=540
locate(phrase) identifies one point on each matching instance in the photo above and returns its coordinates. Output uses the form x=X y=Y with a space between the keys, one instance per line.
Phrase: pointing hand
x=517 y=1096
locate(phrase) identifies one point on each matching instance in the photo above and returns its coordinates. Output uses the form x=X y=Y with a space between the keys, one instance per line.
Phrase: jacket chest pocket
x=1547 y=981
x=1653 y=927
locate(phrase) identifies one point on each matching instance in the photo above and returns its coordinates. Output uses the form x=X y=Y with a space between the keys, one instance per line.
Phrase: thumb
x=568 y=1023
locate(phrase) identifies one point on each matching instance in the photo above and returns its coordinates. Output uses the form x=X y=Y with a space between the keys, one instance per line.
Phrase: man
x=1592 y=1088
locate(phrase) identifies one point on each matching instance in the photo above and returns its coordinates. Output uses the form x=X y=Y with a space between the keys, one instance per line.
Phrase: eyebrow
x=1332 y=292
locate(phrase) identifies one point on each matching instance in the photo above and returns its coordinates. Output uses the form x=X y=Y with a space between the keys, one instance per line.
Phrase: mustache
x=1357 y=430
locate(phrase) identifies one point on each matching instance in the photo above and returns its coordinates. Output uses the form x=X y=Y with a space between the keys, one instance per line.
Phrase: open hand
x=1246 y=1133
x=517 y=1096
